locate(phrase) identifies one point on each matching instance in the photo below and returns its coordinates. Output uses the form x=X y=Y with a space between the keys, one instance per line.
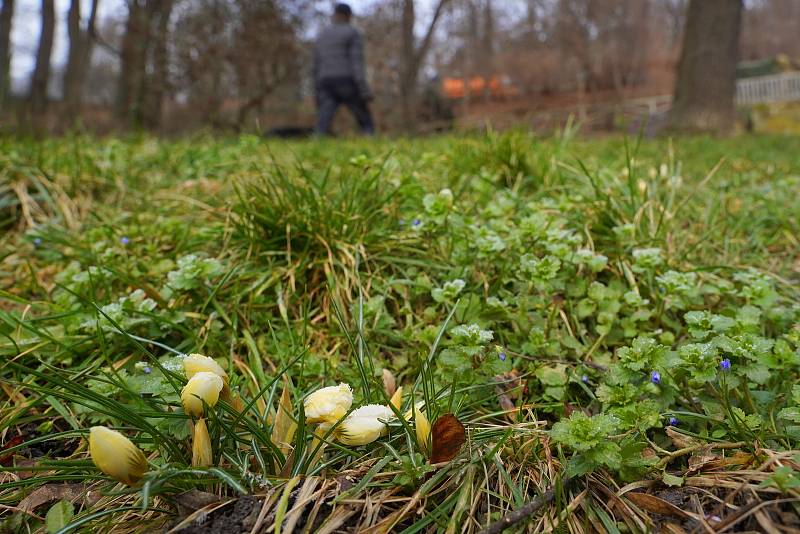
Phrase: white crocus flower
x=197 y=363
x=365 y=425
x=328 y=405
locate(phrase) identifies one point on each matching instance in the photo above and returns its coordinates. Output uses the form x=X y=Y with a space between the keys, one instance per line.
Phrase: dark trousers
x=331 y=93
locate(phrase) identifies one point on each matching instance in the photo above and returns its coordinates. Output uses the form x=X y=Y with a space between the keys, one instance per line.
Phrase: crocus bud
x=202 y=387
x=197 y=363
x=397 y=398
x=328 y=405
x=201 y=446
x=365 y=425
x=116 y=456
x=422 y=427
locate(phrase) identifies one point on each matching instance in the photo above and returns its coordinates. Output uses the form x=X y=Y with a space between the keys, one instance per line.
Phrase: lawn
x=603 y=334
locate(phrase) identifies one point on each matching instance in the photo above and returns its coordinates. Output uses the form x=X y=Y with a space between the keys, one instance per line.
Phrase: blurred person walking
x=339 y=73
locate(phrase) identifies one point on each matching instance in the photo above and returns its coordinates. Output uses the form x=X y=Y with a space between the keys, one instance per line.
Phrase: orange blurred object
x=477 y=85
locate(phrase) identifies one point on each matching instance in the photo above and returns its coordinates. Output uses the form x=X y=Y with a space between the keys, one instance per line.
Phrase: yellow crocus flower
x=422 y=426
x=202 y=387
x=397 y=398
x=328 y=405
x=201 y=446
x=116 y=456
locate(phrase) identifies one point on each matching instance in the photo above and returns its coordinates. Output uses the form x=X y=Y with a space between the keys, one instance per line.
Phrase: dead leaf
x=508 y=406
x=23 y=474
x=193 y=500
x=654 y=505
x=5 y=459
x=649 y=454
x=447 y=435
x=739 y=458
x=284 y=428
x=681 y=441
x=698 y=461
x=53 y=492
x=672 y=528
x=766 y=523
x=287 y=467
x=511 y=383
x=389 y=383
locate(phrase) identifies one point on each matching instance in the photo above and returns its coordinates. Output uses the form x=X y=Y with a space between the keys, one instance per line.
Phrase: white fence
x=767 y=89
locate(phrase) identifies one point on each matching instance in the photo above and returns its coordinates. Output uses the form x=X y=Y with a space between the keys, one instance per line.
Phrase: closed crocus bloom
x=328 y=405
x=365 y=425
x=397 y=398
x=422 y=427
x=116 y=456
x=201 y=446
x=197 y=363
x=202 y=387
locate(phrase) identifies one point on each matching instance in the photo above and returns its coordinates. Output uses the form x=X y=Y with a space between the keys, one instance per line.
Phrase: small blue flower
x=37 y=241
x=585 y=379
x=725 y=364
x=124 y=240
x=673 y=421
x=147 y=369
x=416 y=222
x=502 y=356
x=655 y=377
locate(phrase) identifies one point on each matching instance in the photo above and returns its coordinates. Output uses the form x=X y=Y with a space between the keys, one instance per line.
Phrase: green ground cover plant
x=614 y=320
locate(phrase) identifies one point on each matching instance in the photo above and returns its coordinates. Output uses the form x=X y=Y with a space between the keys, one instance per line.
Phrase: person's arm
x=356 y=52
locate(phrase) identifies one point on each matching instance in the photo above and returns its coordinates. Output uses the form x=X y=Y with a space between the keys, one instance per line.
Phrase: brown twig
x=526 y=510
x=694 y=448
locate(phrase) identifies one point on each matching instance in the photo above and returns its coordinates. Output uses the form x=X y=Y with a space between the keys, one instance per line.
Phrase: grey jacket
x=339 y=53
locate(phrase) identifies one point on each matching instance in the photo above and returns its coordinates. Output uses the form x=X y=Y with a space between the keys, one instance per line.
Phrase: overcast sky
x=27 y=21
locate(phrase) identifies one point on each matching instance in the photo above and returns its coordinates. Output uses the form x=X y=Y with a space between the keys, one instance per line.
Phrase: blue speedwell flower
x=585 y=379
x=502 y=356
x=725 y=364
x=124 y=240
x=416 y=222
x=655 y=377
x=673 y=421
x=37 y=241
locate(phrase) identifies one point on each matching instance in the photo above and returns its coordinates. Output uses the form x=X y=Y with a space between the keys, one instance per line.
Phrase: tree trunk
x=159 y=12
x=488 y=49
x=132 y=68
x=408 y=76
x=41 y=74
x=412 y=58
x=75 y=56
x=6 y=14
x=89 y=38
x=80 y=56
x=706 y=84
